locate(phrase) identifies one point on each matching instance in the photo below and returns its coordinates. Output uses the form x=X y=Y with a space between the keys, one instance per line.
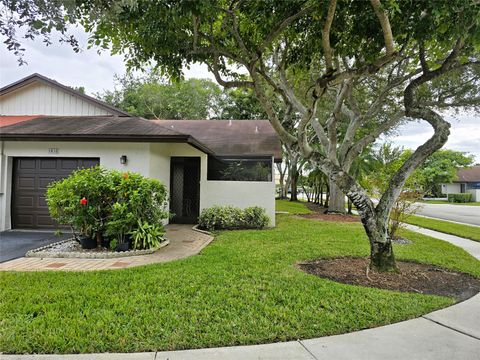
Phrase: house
x=47 y=130
x=467 y=181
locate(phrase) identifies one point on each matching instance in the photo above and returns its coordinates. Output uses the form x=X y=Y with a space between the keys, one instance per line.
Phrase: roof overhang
x=109 y=138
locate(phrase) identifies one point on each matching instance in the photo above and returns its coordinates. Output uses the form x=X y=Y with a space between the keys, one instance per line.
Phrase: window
x=473 y=185
x=239 y=169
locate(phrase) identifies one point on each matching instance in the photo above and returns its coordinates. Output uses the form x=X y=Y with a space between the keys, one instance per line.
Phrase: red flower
x=125 y=175
x=83 y=201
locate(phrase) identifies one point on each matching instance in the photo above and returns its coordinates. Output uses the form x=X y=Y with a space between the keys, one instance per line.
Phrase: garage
x=31 y=177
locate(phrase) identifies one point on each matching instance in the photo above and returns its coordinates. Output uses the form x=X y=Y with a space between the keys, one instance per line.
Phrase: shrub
x=107 y=202
x=255 y=217
x=147 y=236
x=460 y=198
x=405 y=206
x=231 y=218
x=82 y=200
x=137 y=199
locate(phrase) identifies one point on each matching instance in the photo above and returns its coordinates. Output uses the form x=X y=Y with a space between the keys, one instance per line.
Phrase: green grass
x=465 y=231
x=292 y=207
x=477 y=203
x=243 y=288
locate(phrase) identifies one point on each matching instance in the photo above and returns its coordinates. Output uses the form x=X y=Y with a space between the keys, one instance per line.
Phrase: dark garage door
x=31 y=177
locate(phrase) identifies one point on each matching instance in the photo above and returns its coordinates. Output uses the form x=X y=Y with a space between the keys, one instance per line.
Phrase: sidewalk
x=470 y=246
x=447 y=334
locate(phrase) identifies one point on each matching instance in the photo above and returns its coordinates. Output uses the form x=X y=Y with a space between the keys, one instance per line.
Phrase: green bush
x=107 y=202
x=137 y=199
x=460 y=198
x=82 y=200
x=255 y=217
x=147 y=236
x=231 y=218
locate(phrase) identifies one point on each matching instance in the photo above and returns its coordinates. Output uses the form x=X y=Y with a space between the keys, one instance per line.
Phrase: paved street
x=461 y=213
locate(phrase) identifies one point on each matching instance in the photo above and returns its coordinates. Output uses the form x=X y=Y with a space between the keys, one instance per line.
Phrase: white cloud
x=58 y=61
x=464 y=134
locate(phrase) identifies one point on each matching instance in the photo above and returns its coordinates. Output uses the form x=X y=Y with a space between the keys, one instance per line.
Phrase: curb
x=41 y=253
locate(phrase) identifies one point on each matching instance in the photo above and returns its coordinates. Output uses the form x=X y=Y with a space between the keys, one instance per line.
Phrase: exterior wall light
x=123 y=159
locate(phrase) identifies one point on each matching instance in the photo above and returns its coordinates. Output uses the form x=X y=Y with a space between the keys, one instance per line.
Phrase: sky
x=96 y=73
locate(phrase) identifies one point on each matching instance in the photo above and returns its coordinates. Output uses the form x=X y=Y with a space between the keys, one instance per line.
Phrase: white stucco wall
x=241 y=194
x=450 y=189
x=151 y=160
x=475 y=194
x=43 y=99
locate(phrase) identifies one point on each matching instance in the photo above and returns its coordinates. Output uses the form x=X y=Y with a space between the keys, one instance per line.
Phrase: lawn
x=243 y=288
x=292 y=207
x=466 y=231
x=477 y=203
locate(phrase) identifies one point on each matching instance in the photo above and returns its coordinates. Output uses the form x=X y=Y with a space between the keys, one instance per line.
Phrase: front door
x=185 y=189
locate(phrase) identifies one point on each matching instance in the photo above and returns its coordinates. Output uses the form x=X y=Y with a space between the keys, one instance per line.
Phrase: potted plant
x=119 y=225
x=86 y=238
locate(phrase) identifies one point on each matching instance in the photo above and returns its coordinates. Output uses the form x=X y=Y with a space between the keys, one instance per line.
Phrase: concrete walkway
x=448 y=334
x=470 y=246
x=184 y=242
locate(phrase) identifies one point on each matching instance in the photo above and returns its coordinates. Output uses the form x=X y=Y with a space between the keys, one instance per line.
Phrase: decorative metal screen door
x=185 y=189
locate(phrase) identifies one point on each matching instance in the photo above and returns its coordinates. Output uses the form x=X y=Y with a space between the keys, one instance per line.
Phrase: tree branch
x=385 y=23
x=326 y=36
x=282 y=26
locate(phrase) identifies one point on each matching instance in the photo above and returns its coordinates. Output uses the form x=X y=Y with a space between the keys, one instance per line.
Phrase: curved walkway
x=184 y=242
x=447 y=334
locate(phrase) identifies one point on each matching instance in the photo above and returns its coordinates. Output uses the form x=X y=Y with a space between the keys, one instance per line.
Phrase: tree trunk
x=293 y=187
x=336 y=203
x=381 y=251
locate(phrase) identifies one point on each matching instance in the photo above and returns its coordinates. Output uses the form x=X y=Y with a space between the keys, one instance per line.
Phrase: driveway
x=15 y=243
x=461 y=213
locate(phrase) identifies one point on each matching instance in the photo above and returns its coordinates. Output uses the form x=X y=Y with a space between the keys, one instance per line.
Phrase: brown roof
x=95 y=128
x=45 y=80
x=231 y=137
x=218 y=137
x=469 y=174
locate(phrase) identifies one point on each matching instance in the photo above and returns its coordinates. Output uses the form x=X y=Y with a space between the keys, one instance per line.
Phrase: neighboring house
x=47 y=130
x=468 y=181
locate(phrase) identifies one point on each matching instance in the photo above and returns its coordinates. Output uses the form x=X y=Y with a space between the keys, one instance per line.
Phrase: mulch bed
x=412 y=277
x=320 y=214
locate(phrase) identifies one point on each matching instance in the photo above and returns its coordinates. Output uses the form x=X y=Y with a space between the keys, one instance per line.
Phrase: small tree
x=405 y=206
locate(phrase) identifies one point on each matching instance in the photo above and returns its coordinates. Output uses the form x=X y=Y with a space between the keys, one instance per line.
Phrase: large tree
x=405 y=54
x=153 y=97
x=442 y=167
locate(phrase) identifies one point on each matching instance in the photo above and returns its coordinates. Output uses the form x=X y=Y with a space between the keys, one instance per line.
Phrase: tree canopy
x=154 y=97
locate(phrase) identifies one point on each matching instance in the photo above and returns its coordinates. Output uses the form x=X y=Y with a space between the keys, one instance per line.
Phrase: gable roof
x=45 y=80
x=471 y=174
x=231 y=137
